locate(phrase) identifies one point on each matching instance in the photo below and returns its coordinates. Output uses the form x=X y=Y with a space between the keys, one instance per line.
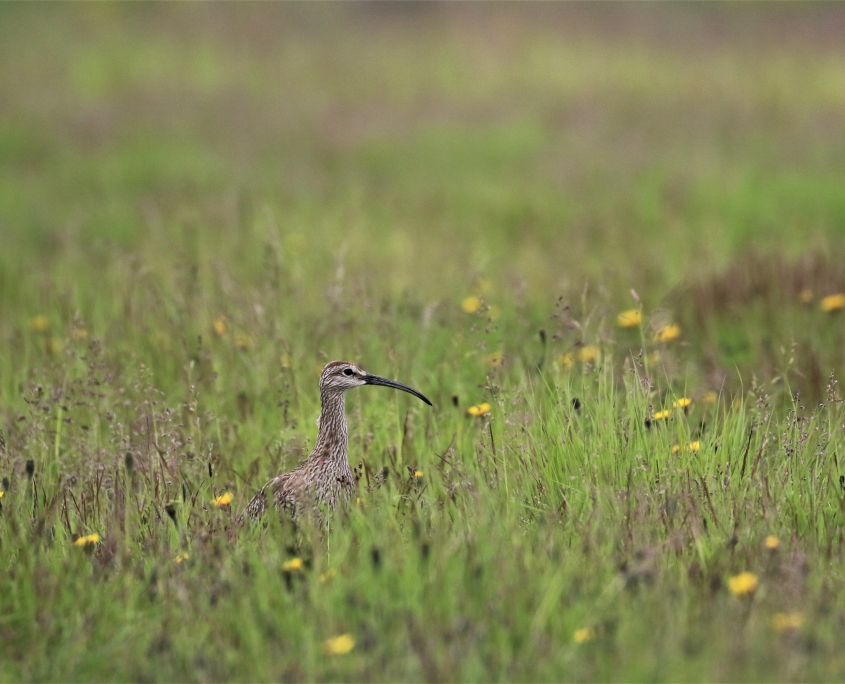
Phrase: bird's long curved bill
x=378 y=380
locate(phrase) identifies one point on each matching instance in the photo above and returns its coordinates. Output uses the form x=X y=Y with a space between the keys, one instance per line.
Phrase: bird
x=324 y=479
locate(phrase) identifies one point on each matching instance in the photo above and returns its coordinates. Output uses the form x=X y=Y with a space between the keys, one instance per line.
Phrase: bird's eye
x=347 y=371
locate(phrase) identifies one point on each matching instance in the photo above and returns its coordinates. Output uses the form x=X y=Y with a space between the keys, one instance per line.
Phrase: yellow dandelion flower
x=662 y=415
x=1 y=494
x=219 y=325
x=40 y=324
x=243 y=341
x=683 y=402
x=589 y=354
x=771 y=542
x=480 y=410
x=629 y=319
x=743 y=584
x=668 y=333
x=710 y=398
x=88 y=539
x=567 y=360
x=694 y=446
x=294 y=564
x=584 y=635
x=339 y=645
x=418 y=473
x=327 y=576
x=471 y=305
x=223 y=499
x=79 y=334
x=783 y=622
x=832 y=302
x=181 y=558
x=676 y=448
x=496 y=359
x=805 y=296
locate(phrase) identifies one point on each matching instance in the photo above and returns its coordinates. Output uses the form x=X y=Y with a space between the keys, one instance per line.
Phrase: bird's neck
x=332 y=438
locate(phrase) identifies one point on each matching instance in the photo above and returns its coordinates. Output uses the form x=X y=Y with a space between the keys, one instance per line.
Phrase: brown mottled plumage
x=325 y=478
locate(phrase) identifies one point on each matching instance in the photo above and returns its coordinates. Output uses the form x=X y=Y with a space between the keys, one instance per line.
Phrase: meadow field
x=605 y=240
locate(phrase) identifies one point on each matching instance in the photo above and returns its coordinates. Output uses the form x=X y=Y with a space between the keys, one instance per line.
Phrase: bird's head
x=342 y=376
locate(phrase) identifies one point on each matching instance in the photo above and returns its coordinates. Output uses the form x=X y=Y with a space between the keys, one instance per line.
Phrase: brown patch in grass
x=755 y=277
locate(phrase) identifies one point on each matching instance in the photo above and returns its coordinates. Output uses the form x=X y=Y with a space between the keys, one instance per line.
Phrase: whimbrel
x=325 y=478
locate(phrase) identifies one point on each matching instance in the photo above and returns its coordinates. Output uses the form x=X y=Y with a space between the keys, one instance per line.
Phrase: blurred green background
x=410 y=151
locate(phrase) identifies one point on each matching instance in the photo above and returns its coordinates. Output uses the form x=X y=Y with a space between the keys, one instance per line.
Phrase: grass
x=201 y=206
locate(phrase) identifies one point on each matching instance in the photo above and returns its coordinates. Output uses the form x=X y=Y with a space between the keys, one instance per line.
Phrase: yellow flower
x=418 y=473
x=327 y=576
x=629 y=319
x=292 y=564
x=284 y=361
x=567 y=360
x=743 y=584
x=480 y=410
x=805 y=296
x=223 y=499
x=694 y=446
x=783 y=622
x=471 y=305
x=243 y=341
x=683 y=402
x=589 y=354
x=182 y=557
x=668 y=333
x=496 y=359
x=79 y=334
x=584 y=635
x=662 y=415
x=219 y=325
x=676 y=448
x=339 y=645
x=710 y=397
x=832 y=302
x=40 y=324
x=1 y=494
x=88 y=539
x=772 y=542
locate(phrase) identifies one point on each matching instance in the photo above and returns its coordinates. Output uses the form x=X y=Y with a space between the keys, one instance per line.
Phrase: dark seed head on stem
x=171 y=512
x=30 y=468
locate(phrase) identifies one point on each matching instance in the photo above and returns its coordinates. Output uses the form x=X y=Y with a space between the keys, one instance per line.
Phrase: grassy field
x=200 y=206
